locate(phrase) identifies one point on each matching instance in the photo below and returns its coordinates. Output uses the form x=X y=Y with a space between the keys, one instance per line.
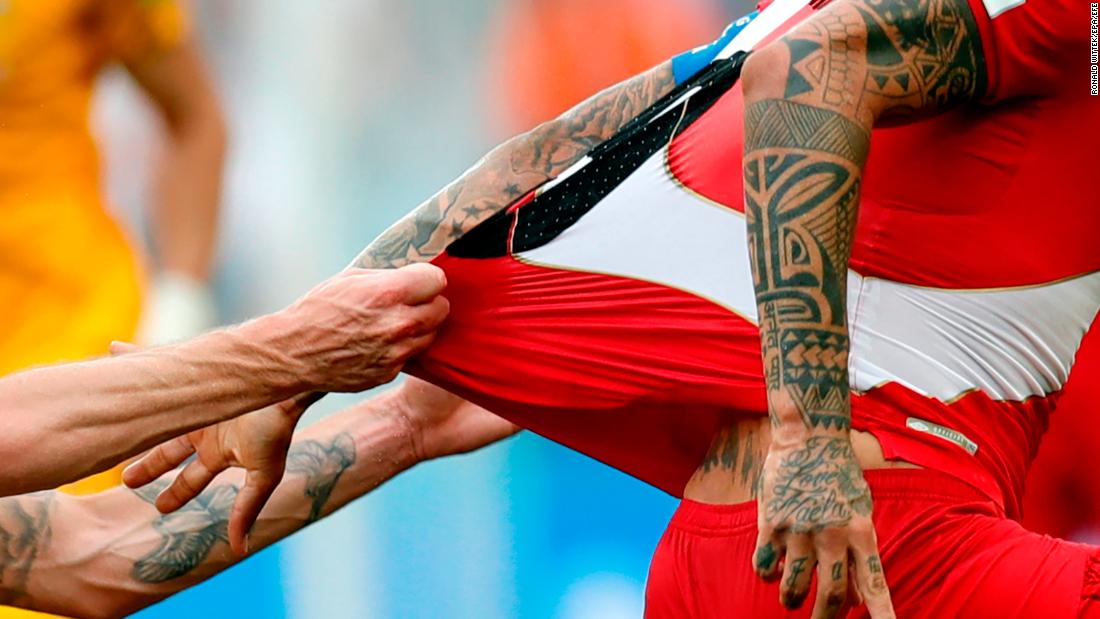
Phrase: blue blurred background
x=345 y=114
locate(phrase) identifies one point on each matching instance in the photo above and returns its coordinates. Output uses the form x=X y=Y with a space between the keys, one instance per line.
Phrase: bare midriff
x=731 y=469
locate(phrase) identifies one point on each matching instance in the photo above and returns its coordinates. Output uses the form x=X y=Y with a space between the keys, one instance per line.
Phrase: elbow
x=764 y=73
x=94 y=611
x=91 y=605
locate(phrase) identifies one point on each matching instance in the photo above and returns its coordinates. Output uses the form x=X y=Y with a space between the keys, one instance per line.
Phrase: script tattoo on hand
x=24 y=531
x=189 y=535
x=878 y=578
x=513 y=170
x=797 y=567
x=817 y=486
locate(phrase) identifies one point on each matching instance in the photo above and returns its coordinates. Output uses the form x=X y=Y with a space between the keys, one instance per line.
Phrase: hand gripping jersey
x=612 y=310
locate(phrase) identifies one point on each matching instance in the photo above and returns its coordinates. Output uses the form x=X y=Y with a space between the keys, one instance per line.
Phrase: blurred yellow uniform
x=69 y=279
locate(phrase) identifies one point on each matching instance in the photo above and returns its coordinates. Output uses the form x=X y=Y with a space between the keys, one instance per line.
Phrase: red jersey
x=613 y=309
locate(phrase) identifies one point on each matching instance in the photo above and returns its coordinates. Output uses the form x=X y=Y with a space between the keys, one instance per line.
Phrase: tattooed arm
x=811 y=99
x=513 y=169
x=111 y=554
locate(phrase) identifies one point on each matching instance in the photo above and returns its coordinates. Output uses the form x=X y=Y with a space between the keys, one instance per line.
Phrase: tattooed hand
x=257 y=442
x=816 y=507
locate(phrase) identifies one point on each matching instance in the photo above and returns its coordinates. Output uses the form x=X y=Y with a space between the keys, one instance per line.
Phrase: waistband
x=910 y=485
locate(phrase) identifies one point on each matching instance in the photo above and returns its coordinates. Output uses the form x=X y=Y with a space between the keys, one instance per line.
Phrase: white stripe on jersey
x=765 y=23
x=996 y=7
x=1009 y=343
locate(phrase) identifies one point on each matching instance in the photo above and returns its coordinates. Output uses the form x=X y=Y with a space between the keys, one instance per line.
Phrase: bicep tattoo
x=891 y=59
x=511 y=171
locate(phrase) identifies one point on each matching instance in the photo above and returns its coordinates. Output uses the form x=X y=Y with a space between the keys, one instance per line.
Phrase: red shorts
x=947 y=549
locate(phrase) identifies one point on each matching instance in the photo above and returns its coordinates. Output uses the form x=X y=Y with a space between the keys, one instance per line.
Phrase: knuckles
x=862 y=527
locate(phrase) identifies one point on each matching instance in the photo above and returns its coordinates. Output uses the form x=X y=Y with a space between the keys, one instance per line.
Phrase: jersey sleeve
x=1034 y=48
x=134 y=29
x=691 y=62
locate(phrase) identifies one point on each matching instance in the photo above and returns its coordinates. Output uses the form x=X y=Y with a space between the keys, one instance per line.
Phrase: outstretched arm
x=512 y=170
x=351 y=333
x=811 y=99
x=111 y=554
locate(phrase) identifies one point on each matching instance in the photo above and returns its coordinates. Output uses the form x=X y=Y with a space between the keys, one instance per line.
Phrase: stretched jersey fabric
x=612 y=310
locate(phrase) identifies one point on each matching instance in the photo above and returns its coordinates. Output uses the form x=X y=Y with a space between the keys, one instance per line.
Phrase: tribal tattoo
x=855 y=63
x=513 y=170
x=894 y=60
x=24 y=531
x=189 y=535
x=802 y=182
x=811 y=100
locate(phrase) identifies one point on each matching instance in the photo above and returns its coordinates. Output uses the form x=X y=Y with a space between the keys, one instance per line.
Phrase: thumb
x=419 y=283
